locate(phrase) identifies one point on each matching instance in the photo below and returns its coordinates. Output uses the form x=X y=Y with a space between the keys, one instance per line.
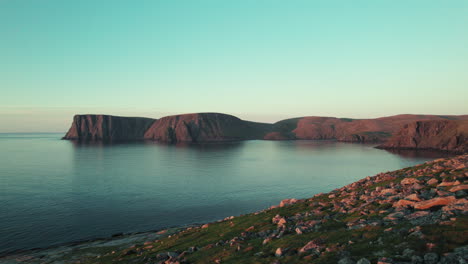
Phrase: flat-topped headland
x=417 y=214
x=436 y=132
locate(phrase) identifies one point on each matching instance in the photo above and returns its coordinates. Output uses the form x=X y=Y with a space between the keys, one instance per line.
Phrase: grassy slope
x=369 y=241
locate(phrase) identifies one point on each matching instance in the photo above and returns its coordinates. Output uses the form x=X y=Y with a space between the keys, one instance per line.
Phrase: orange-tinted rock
x=278 y=252
x=413 y=197
x=388 y=192
x=403 y=203
x=287 y=202
x=439 y=201
x=449 y=183
x=250 y=229
x=406 y=181
x=432 y=181
x=417 y=214
x=310 y=246
x=459 y=188
x=460 y=204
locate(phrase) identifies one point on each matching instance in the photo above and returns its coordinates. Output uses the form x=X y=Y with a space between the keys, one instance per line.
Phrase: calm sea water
x=54 y=191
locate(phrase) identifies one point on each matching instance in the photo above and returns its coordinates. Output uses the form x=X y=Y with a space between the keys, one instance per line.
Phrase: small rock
x=413 y=197
x=384 y=261
x=459 y=188
x=403 y=203
x=278 y=252
x=172 y=254
x=388 y=192
x=250 y=229
x=346 y=260
x=287 y=202
x=408 y=253
x=431 y=258
x=439 y=201
x=363 y=261
x=449 y=183
x=432 y=181
x=416 y=260
x=266 y=240
x=406 y=181
x=298 y=231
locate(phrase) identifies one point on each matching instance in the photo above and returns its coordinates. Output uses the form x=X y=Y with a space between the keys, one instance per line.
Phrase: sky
x=261 y=60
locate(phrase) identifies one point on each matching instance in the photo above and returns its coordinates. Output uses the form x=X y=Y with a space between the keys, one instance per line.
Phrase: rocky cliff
x=446 y=135
x=108 y=128
x=203 y=127
x=347 y=129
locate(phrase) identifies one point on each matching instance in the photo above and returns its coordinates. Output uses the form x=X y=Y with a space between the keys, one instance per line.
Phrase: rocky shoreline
x=414 y=215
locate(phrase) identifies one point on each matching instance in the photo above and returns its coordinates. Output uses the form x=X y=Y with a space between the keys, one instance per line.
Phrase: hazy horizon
x=259 y=60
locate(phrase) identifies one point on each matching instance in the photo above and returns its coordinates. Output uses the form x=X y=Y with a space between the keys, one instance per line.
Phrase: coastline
x=57 y=252
x=123 y=248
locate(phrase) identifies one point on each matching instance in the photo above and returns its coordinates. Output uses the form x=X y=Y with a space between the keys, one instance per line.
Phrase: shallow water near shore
x=54 y=191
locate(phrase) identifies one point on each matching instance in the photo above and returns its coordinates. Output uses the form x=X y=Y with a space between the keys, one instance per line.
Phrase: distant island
x=435 y=132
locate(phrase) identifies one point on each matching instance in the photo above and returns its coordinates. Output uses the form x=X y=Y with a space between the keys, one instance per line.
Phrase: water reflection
x=77 y=190
x=427 y=154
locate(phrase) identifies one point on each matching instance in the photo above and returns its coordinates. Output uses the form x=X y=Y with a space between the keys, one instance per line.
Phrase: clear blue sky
x=260 y=60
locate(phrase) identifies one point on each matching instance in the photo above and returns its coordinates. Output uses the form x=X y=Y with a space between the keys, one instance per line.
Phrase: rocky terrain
x=108 y=128
x=414 y=215
x=446 y=135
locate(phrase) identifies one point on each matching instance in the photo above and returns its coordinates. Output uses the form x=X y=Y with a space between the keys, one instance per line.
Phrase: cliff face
x=346 y=129
x=203 y=127
x=108 y=128
x=446 y=135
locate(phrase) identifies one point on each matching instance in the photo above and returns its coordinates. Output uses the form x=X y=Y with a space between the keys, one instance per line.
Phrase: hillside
x=203 y=127
x=347 y=129
x=445 y=135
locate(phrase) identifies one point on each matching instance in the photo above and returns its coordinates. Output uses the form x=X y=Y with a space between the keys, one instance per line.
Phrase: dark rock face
x=203 y=127
x=446 y=135
x=108 y=128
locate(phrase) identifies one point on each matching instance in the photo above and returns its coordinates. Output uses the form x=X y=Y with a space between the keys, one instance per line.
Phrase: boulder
x=406 y=181
x=287 y=202
x=403 y=203
x=442 y=184
x=279 y=252
x=432 y=181
x=431 y=258
x=459 y=188
x=439 y=201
